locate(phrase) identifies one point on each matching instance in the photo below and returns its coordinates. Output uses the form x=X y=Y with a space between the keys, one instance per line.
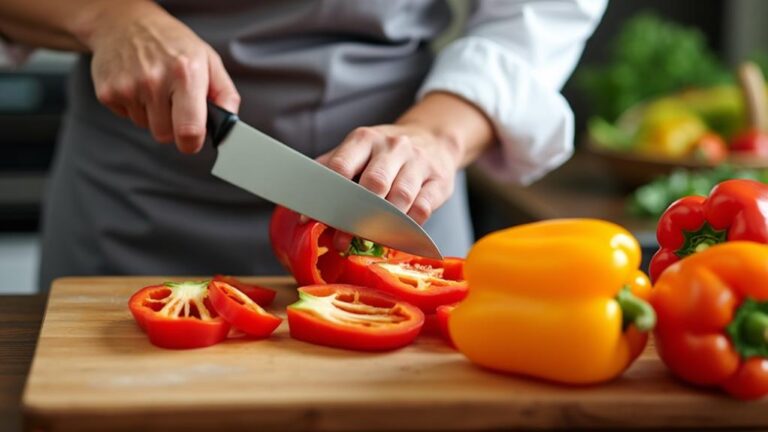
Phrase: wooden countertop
x=95 y=370
x=20 y=318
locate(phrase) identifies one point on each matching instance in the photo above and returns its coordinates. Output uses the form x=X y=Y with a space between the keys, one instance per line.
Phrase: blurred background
x=660 y=113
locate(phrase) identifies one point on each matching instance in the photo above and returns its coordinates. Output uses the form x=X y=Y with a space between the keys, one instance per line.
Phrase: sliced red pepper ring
x=239 y=310
x=178 y=315
x=423 y=282
x=261 y=295
x=353 y=317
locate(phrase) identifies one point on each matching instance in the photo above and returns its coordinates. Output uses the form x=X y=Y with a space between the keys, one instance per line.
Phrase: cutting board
x=94 y=370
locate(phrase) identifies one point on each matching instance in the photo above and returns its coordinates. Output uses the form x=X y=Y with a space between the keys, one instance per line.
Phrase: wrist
x=461 y=127
x=103 y=17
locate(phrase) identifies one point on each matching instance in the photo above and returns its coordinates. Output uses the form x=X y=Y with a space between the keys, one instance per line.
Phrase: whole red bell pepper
x=712 y=318
x=735 y=210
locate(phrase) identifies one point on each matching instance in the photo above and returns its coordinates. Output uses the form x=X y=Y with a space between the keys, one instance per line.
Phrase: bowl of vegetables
x=664 y=102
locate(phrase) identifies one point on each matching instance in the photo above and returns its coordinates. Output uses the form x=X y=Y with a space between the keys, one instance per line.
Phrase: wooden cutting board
x=94 y=370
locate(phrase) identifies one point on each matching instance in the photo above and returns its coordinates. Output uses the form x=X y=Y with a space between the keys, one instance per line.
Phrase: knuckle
x=106 y=95
x=376 y=180
x=151 y=80
x=422 y=209
x=399 y=143
x=341 y=166
x=363 y=133
x=184 y=67
x=404 y=191
x=125 y=89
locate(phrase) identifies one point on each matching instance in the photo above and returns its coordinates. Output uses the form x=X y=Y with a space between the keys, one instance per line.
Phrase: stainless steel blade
x=264 y=166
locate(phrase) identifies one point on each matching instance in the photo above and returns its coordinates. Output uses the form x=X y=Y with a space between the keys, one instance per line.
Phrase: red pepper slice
x=239 y=310
x=178 y=315
x=305 y=249
x=443 y=314
x=353 y=317
x=262 y=296
x=423 y=282
x=735 y=210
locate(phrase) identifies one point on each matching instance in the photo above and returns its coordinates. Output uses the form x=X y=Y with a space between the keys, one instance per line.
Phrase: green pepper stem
x=749 y=329
x=635 y=311
x=755 y=328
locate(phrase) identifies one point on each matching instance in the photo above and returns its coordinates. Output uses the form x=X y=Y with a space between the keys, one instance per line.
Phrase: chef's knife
x=270 y=169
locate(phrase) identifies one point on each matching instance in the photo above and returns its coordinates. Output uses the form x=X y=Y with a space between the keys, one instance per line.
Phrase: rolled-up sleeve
x=511 y=63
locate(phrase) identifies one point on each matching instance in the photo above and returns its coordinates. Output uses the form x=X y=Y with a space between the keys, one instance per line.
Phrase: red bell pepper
x=735 y=210
x=240 y=311
x=306 y=250
x=712 y=318
x=423 y=282
x=262 y=296
x=352 y=317
x=178 y=315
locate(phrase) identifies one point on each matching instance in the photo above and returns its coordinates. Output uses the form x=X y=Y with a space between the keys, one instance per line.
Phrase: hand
x=409 y=165
x=413 y=163
x=150 y=67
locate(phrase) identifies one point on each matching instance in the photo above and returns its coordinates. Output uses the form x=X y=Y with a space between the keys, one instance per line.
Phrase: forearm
x=459 y=124
x=64 y=25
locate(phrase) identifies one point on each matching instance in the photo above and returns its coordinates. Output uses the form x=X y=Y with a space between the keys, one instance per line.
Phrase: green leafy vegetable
x=650 y=57
x=653 y=198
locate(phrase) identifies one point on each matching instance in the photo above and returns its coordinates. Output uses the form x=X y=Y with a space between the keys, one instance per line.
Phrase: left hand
x=413 y=162
x=407 y=164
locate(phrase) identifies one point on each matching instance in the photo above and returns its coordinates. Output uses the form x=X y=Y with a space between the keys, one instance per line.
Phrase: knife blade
x=258 y=163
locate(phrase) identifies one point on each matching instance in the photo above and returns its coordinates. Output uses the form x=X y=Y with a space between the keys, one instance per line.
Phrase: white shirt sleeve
x=511 y=62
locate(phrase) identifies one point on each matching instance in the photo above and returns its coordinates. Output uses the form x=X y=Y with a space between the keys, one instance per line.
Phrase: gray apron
x=308 y=73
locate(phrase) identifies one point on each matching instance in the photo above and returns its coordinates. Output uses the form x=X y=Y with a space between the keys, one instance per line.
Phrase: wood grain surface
x=94 y=370
x=20 y=317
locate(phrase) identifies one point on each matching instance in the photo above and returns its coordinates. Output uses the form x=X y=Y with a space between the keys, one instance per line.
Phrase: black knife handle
x=219 y=123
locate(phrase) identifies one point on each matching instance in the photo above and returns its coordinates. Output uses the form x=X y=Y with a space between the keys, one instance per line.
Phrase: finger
x=160 y=123
x=406 y=186
x=323 y=158
x=432 y=195
x=138 y=115
x=188 y=109
x=341 y=241
x=382 y=170
x=221 y=89
x=351 y=156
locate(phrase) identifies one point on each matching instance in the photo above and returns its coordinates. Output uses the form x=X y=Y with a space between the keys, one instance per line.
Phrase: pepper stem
x=359 y=246
x=755 y=328
x=749 y=329
x=635 y=311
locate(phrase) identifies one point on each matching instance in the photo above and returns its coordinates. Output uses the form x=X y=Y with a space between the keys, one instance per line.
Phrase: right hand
x=153 y=69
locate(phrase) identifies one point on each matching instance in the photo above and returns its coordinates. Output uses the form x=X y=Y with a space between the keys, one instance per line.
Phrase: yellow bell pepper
x=561 y=300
